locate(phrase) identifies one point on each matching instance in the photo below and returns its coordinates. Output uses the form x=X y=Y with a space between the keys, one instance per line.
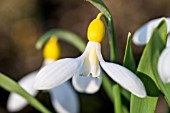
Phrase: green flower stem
x=107 y=85
x=113 y=91
x=12 y=86
x=117 y=97
x=62 y=34
x=112 y=38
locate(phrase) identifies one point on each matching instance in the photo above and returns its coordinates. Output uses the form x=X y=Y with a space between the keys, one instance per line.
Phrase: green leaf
x=146 y=71
x=99 y=4
x=65 y=35
x=128 y=60
x=147 y=104
x=117 y=98
x=151 y=54
x=155 y=45
x=113 y=91
x=107 y=85
x=143 y=105
x=11 y=86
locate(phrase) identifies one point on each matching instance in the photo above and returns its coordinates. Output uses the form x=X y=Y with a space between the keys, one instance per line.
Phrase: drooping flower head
x=51 y=52
x=85 y=70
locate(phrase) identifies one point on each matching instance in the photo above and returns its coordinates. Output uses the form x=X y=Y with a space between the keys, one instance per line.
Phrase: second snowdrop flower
x=64 y=98
x=144 y=33
x=86 y=69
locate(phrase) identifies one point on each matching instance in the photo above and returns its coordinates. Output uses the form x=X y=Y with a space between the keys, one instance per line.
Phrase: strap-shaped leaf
x=151 y=54
x=129 y=60
x=138 y=105
x=12 y=86
x=65 y=35
x=146 y=69
x=147 y=104
x=143 y=105
x=156 y=47
x=152 y=50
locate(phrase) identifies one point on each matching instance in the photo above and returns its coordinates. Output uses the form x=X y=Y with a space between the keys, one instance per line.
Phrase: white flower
x=64 y=98
x=85 y=70
x=143 y=35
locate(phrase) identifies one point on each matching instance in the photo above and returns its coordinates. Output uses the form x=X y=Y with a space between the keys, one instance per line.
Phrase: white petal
x=86 y=84
x=88 y=77
x=16 y=102
x=56 y=73
x=47 y=61
x=65 y=99
x=164 y=65
x=144 y=33
x=125 y=78
x=168 y=41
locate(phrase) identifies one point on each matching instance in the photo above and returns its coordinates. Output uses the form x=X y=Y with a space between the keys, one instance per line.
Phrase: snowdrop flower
x=144 y=33
x=142 y=36
x=85 y=70
x=64 y=98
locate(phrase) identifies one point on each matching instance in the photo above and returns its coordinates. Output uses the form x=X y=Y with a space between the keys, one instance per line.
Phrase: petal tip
x=142 y=94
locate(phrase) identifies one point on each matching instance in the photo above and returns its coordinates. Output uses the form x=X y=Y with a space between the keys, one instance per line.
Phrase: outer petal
x=164 y=65
x=143 y=34
x=65 y=99
x=16 y=102
x=125 y=78
x=56 y=73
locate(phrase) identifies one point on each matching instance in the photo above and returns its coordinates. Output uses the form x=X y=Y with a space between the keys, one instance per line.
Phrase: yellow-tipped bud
x=52 y=49
x=96 y=29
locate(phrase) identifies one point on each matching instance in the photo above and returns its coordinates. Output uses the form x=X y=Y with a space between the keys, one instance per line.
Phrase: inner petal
x=94 y=62
x=89 y=61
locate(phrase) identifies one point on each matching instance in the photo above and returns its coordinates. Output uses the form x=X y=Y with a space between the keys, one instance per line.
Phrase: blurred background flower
x=22 y=22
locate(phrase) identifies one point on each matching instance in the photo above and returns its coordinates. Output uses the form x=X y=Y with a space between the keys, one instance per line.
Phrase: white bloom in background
x=164 y=65
x=85 y=70
x=143 y=35
x=64 y=98
x=15 y=102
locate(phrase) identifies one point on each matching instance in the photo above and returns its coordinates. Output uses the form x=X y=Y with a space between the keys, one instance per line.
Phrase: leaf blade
x=11 y=86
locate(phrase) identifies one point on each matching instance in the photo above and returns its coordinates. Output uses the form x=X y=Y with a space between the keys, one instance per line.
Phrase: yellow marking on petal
x=96 y=29
x=52 y=49
x=94 y=62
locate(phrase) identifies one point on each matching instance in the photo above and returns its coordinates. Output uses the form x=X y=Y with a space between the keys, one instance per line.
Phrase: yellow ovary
x=96 y=30
x=52 y=49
